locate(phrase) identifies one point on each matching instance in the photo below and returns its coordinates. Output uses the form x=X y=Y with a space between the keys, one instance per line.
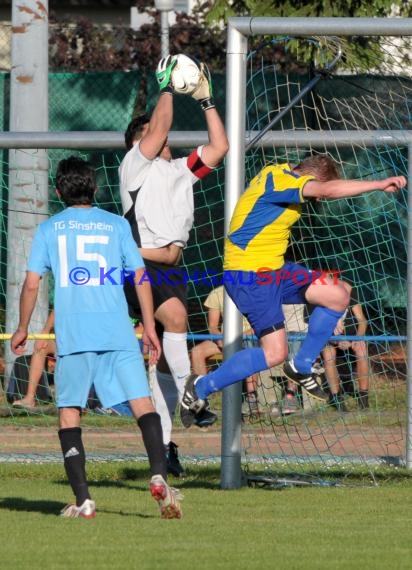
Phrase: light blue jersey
x=90 y=252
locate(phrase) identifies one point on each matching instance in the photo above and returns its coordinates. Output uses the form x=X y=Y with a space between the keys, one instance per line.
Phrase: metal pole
x=28 y=169
x=164 y=33
x=183 y=139
x=231 y=477
x=164 y=7
x=409 y=321
x=322 y=26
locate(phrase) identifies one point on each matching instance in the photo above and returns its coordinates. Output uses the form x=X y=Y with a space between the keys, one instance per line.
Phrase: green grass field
x=294 y=528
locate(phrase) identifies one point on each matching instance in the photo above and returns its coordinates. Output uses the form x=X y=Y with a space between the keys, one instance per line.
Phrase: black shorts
x=167 y=281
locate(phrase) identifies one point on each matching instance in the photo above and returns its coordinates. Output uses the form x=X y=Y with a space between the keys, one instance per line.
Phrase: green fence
x=106 y=101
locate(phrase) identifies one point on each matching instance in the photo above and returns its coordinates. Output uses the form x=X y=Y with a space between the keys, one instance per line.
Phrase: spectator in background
x=209 y=348
x=295 y=323
x=353 y=323
x=42 y=349
x=157 y=198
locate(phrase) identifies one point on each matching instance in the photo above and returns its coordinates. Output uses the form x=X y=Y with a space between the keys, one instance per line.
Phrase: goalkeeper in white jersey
x=157 y=198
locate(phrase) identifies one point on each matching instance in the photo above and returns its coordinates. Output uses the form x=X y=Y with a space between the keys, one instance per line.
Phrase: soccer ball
x=185 y=75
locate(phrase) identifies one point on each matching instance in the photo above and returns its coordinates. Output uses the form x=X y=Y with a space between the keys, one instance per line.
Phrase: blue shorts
x=117 y=375
x=260 y=296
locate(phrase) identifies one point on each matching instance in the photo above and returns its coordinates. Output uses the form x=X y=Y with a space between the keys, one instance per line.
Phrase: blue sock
x=322 y=323
x=238 y=367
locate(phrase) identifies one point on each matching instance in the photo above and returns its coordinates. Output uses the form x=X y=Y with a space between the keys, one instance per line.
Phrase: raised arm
x=155 y=134
x=334 y=189
x=214 y=152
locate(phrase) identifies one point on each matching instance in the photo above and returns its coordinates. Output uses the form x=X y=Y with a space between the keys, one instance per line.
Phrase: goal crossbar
x=111 y=140
x=319 y=26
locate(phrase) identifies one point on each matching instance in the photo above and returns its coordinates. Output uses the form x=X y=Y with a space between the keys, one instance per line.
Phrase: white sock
x=165 y=396
x=177 y=357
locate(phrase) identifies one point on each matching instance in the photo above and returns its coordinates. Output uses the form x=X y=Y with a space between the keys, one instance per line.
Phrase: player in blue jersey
x=90 y=252
x=258 y=280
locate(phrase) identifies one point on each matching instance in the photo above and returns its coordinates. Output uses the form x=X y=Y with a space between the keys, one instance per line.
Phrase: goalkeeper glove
x=164 y=73
x=204 y=91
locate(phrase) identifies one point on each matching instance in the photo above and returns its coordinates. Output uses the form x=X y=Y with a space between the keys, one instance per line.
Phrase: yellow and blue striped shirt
x=259 y=230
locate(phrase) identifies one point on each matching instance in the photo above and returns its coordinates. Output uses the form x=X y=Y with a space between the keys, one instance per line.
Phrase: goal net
x=351 y=100
x=340 y=89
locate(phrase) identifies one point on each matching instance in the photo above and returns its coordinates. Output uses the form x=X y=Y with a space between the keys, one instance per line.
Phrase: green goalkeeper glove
x=204 y=91
x=164 y=73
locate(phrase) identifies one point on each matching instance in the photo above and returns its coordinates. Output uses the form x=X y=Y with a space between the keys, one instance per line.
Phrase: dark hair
x=134 y=129
x=76 y=181
x=321 y=166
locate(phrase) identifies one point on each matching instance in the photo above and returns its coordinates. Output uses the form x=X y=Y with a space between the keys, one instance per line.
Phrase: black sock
x=75 y=462
x=152 y=435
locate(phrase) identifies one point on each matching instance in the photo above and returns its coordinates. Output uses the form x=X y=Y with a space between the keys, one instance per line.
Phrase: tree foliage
x=359 y=53
x=82 y=45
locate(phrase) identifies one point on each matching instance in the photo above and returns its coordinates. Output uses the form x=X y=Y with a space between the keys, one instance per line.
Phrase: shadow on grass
x=126 y=513
x=24 y=505
x=209 y=477
x=46 y=507
x=206 y=478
